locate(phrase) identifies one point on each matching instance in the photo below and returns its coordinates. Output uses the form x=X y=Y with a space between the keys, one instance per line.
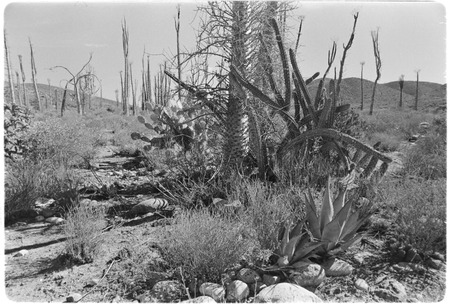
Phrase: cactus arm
x=284 y=61
x=339 y=136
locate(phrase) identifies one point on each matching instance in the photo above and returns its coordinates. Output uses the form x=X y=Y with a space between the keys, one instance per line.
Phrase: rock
x=74 y=297
x=237 y=291
x=150 y=205
x=438 y=256
x=286 y=293
x=307 y=274
x=412 y=255
x=168 y=291
x=414 y=138
x=336 y=268
x=391 y=290
x=434 y=263
x=21 y=253
x=271 y=279
x=201 y=299
x=362 y=285
x=55 y=220
x=39 y=218
x=248 y=276
x=92 y=282
x=213 y=290
x=424 y=125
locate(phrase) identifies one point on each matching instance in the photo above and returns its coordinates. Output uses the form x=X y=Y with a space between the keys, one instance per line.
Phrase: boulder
x=213 y=290
x=39 y=218
x=307 y=274
x=237 y=291
x=391 y=290
x=336 y=268
x=248 y=276
x=286 y=293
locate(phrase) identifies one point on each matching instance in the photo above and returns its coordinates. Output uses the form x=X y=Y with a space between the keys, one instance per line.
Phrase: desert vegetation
x=250 y=167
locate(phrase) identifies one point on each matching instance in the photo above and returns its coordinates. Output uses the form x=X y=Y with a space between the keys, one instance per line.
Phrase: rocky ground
x=34 y=270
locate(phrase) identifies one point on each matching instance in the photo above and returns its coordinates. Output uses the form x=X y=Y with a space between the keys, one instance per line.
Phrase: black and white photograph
x=224 y=151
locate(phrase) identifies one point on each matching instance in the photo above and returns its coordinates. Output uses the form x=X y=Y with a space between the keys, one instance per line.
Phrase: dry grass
x=83 y=228
x=205 y=244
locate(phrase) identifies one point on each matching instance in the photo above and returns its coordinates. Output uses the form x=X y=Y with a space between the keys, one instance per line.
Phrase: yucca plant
x=336 y=225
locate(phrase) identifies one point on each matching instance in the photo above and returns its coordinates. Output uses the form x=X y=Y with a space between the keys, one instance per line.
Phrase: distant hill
x=387 y=95
x=47 y=95
x=432 y=96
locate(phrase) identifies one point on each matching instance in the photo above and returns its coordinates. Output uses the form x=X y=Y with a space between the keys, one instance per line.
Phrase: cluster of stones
x=409 y=254
x=46 y=210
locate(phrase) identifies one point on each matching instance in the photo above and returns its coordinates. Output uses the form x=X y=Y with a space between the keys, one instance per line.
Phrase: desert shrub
x=26 y=180
x=268 y=209
x=63 y=141
x=16 y=124
x=83 y=228
x=427 y=158
x=419 y=208
x=204 y=244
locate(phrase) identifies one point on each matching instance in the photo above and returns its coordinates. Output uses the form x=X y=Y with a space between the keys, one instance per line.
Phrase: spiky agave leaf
x=148 y=126
x=285 y=239
x=290 y=247
x=326 y=212
x=332 y=232
x=305 y=251
x=339 y=202
x=311 y=217
x=297 y=228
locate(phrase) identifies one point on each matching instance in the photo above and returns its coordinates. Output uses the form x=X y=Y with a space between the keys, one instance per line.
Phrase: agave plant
x=295 y=245
x=336 y=226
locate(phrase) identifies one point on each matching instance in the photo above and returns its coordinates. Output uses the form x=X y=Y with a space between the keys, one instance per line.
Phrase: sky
x=412 y=36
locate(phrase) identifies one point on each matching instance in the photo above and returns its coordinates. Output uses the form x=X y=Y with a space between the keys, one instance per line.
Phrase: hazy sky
x=412 y=36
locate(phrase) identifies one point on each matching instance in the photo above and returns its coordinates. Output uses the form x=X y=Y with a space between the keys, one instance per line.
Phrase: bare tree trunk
x=117 y=95
x=18 y=88
x=56 y=100
x=133 y=94
x=8 y=65
x=125 y=86
x=63 y=102
x=25 y=102
x=376 y=52
x=33 y=77
x=362 y=85
x=177 y=29
x=416 y=103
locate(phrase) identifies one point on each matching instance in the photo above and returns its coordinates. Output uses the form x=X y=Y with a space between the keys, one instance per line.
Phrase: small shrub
x=428 y=158
x=83 y=230
x=269 y=209
x=420 y=212
x=204 y=244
